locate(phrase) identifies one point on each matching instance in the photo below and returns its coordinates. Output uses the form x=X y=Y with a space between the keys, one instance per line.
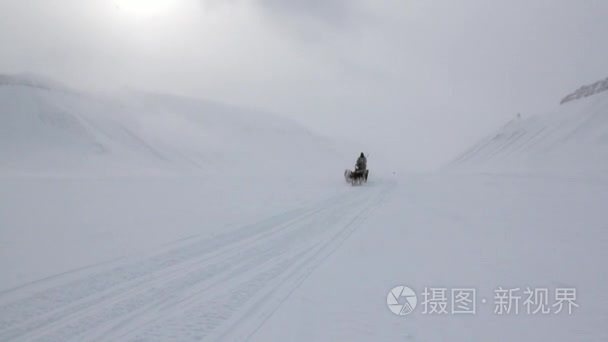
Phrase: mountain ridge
x=586 y=91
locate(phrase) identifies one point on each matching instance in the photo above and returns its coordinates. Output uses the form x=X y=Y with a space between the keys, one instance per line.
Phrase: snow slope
x=149 y=217
x=570 y=138
x=87 y=177
x=45 y=126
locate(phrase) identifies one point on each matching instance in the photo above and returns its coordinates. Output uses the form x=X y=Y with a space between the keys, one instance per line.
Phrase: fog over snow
x=184 y=170
x=416 y=79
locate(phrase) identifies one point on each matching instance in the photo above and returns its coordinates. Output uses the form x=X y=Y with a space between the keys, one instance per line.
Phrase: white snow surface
x=46 y=128
x=149 y=217
x=570 y=138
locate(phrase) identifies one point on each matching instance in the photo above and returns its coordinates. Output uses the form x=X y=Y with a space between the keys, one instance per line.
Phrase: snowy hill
x=571 y=137
x=46 y=127
x=130 y=171
x=146 y=217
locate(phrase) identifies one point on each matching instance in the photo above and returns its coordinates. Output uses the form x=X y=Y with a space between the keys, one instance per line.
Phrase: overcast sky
x=417 y=79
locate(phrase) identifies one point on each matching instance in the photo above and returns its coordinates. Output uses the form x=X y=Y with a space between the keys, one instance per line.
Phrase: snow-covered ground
x=153 y=217
x=471 y=232
x=48 y=129
x=570 y=138
x=88 y=177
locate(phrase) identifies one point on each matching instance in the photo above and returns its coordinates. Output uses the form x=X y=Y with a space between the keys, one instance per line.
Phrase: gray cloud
x=333 y=12
x=419 y=80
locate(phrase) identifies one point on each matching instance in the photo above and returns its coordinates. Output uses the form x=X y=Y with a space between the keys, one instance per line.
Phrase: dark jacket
x=361 y=163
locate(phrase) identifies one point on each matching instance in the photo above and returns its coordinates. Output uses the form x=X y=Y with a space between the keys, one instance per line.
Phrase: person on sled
x=361 y=164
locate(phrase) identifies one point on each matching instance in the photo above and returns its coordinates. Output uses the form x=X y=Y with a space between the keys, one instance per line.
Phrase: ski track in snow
x=223 y=287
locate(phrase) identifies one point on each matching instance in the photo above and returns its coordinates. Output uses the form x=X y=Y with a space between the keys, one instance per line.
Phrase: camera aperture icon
x=401 y=300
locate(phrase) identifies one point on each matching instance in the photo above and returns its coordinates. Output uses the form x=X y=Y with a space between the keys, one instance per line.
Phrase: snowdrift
x=48 y=128
x=570 y=138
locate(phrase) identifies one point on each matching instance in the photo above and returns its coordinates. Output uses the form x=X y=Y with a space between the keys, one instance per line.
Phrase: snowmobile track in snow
x=224 y=286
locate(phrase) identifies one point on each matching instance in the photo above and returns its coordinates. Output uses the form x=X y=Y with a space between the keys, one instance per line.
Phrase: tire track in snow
x=116 y=279
x=49 y=305
x=238 y=309
x=113 y=302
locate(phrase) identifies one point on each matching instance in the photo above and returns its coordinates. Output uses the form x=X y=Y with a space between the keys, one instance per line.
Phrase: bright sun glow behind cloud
x=146 y=8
